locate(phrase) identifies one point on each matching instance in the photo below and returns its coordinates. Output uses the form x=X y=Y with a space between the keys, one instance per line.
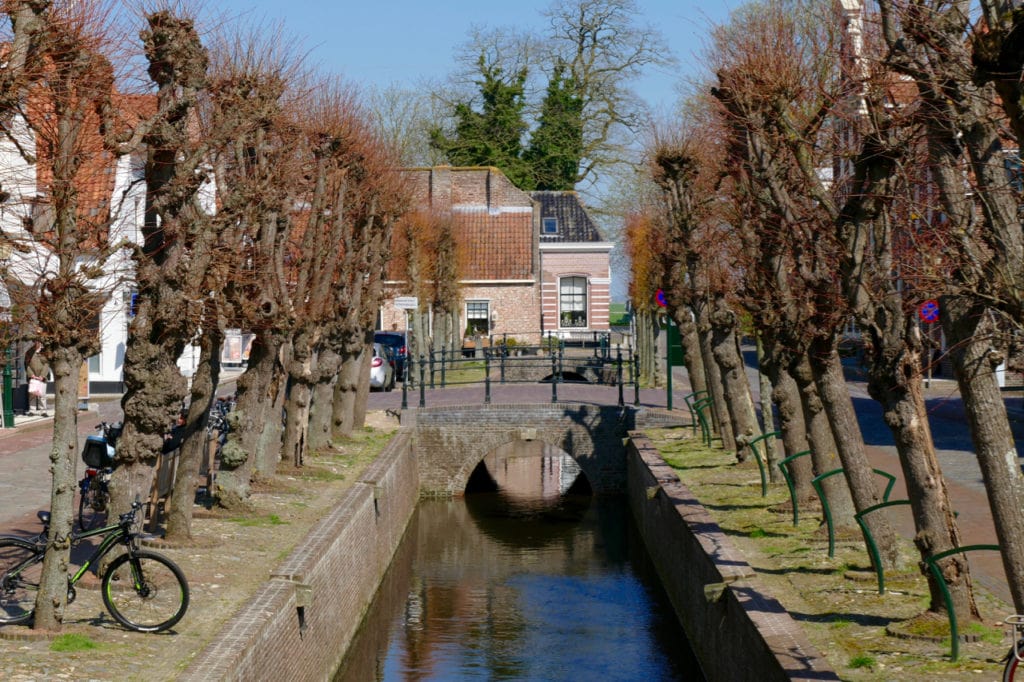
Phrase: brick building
x=532 y=263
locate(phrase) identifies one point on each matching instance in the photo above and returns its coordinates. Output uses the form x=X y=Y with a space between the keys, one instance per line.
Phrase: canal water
x=528 y=577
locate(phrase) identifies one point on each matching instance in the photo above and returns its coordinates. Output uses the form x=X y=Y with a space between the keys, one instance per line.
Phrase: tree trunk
x=975 y=357
x=321 y=414
x=195 y=441
x=786 y=395
x=716 y=389
x=828 y=375
x=693 y=358
x=300 y=378
x=738 y=400
x=824 y=453
x=767 y=416
x=345 y=390
x=255 y=424
x=362 y=393
x=894 y=381
x=53 y=587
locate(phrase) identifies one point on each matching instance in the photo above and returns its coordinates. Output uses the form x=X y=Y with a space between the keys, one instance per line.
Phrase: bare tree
x=65 y=256
x=932 y=47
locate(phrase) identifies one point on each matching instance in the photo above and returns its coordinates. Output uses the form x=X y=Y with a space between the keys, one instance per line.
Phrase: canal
x=528 y=577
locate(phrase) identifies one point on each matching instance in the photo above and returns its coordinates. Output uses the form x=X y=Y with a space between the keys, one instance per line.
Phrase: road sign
x=929 y=311
x=406 y=302
x=659 y=298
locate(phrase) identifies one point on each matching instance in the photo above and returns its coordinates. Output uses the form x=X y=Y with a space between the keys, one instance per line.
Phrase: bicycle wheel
x=145 y=591
x=1012 y=663
x=92 y=506
x=21 y=568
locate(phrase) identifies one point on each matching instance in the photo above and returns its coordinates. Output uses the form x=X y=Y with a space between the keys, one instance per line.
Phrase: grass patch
x=258 y=521
x=72 y=641
x=986 y=633
x=862 y=661
x=758 y=533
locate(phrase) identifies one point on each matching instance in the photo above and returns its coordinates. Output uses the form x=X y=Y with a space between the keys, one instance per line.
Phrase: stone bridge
x=450 y=441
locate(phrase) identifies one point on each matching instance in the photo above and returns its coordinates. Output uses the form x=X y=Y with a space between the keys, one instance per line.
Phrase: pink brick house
x=533 y=263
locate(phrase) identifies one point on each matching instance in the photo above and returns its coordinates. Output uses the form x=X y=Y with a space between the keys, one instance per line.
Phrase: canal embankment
x=738 y=630
x=299 y=623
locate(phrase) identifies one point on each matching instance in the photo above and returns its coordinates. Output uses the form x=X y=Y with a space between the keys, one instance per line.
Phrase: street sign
x=929 y=311
x=406 y=302
x=659 y=298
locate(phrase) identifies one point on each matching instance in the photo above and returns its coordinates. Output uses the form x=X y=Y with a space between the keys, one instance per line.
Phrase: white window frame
x=574 y=307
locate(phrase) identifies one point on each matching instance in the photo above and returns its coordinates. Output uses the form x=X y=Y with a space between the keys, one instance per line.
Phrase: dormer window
x=549 y=225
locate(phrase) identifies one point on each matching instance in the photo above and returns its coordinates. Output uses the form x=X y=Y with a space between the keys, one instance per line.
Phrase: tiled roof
x=574 y=224
x=492 y=220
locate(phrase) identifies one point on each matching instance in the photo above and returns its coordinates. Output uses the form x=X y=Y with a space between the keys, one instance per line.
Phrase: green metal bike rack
x=705 y=428
x=932 y=561
x=760 y=461
x=876 y=560
x=792 y=486
x=816 y=482
x=690 y=400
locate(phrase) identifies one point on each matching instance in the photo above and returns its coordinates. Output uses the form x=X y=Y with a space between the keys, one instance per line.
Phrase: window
x=477 y=318
x=572 y=302
x=94 y=364
x=550 y=225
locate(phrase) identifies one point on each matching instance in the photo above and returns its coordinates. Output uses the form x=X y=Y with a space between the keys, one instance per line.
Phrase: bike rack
x=876 y=560
x=705 y=428
x=757 y=457
x=816 y=482
x=932 y=561
x=690 y=399
x=791 y=485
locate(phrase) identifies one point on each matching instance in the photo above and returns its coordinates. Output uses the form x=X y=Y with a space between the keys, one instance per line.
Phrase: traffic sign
x=929 y=311
x=659 y=298
x=406 y=302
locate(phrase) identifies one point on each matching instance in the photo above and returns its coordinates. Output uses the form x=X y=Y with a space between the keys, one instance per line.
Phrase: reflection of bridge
x=449 y=441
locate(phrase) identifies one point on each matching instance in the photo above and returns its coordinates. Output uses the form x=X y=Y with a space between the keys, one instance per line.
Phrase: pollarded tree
x=964 y=136
x=643 y=241
x=179 y=244
x=64 y=253
x=777 y=84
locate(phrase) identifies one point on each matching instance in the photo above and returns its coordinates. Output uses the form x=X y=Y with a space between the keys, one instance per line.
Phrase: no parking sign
x=929 y=311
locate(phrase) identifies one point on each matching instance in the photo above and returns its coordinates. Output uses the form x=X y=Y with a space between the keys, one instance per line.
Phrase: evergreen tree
x=492 y=136
x=556 y=145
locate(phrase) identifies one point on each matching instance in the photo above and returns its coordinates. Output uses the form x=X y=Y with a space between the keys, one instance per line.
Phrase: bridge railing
x=511 y=363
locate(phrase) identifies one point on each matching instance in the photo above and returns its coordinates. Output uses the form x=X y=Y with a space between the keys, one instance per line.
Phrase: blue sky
x=407 y=41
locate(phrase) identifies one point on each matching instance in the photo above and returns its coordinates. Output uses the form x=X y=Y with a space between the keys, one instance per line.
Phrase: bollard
x=618 y=373
x=487 y=378
x=554 y=380
x=423 y=385
x=443 y=366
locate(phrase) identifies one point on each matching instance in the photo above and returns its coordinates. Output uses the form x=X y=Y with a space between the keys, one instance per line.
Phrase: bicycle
x=144 y=591
x=94 y=490
x=1015 y=657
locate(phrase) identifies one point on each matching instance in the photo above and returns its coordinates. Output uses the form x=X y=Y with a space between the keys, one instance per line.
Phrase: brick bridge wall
x=451 y=441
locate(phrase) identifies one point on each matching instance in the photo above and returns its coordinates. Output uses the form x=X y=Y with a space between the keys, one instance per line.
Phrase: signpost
x=406 y=302
x=929 y=314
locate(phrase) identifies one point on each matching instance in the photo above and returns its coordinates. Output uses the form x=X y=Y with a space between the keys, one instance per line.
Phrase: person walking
x=38 y=373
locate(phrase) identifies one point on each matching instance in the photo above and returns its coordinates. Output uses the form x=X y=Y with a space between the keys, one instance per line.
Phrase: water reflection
x=528 y=581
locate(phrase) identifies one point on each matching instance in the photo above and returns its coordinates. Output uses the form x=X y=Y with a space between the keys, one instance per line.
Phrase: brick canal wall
x=737 y=630
x=299 y=624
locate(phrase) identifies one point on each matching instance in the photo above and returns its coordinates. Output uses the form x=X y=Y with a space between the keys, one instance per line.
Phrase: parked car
x=396 y=341
x=382 y=368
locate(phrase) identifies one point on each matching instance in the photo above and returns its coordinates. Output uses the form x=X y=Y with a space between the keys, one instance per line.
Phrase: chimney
x=441 y=188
